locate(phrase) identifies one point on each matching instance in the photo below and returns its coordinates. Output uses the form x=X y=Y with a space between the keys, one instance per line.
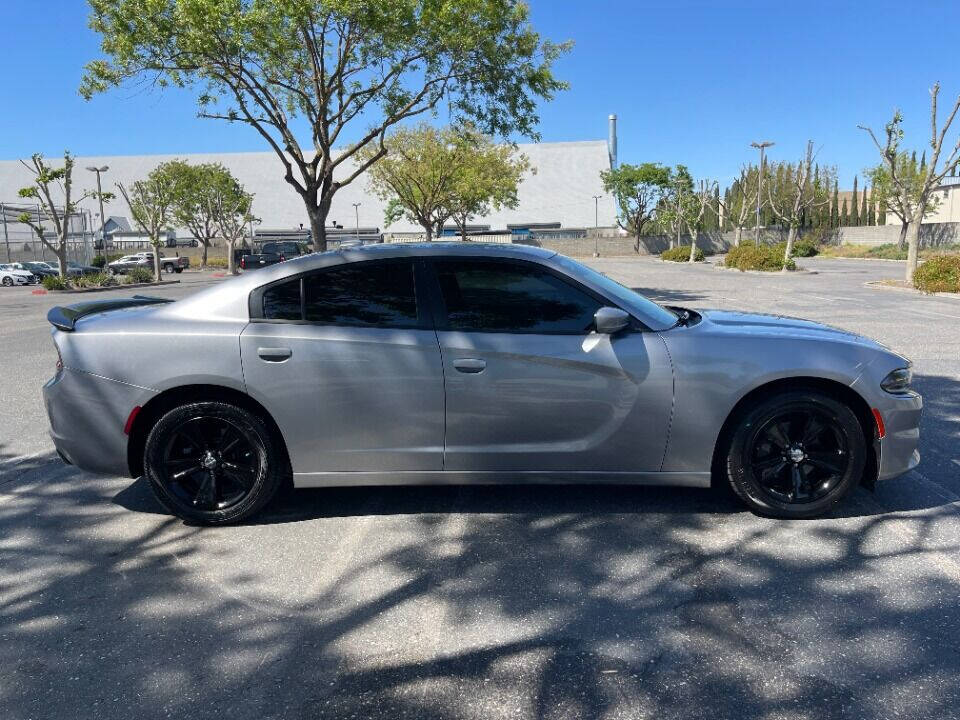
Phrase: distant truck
x=145 y=260
x=272 y=253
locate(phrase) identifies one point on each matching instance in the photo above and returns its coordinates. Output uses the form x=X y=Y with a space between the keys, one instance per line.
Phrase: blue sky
x=692 y=81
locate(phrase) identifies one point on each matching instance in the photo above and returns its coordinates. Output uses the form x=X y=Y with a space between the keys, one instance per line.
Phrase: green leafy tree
x=638 y=190
x=900 y=198
x=341 y=72
x=193 y=189
x=50 y=185
x=151 y=207
x=844 y=215
x=417 y=175
x=855 y=204
x=916 y=193
x=677 y=204
x=231 y=210
x=488 y=178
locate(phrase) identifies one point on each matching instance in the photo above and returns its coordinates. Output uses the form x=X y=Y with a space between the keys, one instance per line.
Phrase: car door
x=531 y=387
x=346 y=360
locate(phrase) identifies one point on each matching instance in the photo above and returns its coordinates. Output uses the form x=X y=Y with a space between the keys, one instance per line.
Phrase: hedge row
x=681 y=253
x=758 y=257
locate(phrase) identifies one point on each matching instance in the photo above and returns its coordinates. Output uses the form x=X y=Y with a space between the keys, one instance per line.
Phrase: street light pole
x=103 y=218
x=761 y=146
x=356 y=209
x=596 y=225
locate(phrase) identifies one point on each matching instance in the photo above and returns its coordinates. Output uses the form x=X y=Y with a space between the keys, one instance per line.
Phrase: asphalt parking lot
x=505 y=602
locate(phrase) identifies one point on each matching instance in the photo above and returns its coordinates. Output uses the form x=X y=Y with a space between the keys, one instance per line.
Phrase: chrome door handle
x=470 y=365
x=274 y=354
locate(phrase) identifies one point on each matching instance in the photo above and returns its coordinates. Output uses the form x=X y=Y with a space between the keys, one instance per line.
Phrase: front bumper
x=899 y=451
x=87 y=415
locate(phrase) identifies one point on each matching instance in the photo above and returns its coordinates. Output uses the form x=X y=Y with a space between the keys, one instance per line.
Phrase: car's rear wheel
x=8 y=281
x=213 y=463
x=796 y=454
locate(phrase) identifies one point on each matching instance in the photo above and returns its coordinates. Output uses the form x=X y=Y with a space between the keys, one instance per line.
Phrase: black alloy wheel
x=213 y=463
x=796 y=454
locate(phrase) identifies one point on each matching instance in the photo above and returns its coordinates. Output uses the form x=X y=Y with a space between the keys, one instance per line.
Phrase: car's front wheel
x=213 y=463
x=796 y=454
x=8 y=282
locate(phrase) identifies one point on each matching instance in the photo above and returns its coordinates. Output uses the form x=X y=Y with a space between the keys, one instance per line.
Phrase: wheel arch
x=168 y=399
x=851 y=397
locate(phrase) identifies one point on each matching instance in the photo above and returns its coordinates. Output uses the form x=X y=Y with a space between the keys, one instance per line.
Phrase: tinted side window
x=512 y=297
x=282 y=302
x=376 y=294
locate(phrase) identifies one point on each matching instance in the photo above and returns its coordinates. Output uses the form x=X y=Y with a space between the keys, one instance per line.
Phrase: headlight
x=898 y=382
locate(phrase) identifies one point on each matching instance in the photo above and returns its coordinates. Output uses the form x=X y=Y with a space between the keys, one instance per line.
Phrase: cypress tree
x=844 y=216
x=864 y=210
x=854 y=207
x=881 y=213
x=923 y=162
x=835 y=206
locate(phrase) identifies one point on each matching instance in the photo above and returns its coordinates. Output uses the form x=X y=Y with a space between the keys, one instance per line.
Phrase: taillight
x=282 y=258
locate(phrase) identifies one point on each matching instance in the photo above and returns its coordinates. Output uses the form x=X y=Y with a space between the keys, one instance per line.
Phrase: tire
x=178 y=270
x=796 y=454
x=247 y=466
x=8 y=282
x=168 y=268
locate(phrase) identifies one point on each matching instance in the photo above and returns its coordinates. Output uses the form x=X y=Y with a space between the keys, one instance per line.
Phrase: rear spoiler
x=65 y=318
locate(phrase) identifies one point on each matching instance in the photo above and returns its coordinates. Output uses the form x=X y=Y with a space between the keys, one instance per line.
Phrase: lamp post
x=761 y=146
x=356 y=210
x=596 y=225
x=103 y=218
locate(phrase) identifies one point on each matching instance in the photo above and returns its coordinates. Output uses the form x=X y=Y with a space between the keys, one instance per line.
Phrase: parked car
x=145 y=260
x=272 y=253
x=468 y=363
x=39 y=270
x=182 y=242
x=75 y=269
x=10 y=276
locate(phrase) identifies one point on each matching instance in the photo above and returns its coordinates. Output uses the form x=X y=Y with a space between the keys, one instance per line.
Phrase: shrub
x=55 y=282
x=103 y=279
x=887 y=251
x=681 y=253
x=98 y=261
x=757 y=257
x=805 y=248
x=216 y=262
x=940 y=273
x=140 y=275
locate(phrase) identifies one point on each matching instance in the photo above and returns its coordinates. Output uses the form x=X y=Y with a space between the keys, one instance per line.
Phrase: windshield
x=661 y=316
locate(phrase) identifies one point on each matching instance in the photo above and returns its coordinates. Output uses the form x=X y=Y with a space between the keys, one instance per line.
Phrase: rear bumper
x=87 y=415
x=899 y=447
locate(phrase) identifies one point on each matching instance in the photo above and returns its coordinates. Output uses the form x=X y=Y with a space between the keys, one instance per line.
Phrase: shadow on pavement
x=447 y=603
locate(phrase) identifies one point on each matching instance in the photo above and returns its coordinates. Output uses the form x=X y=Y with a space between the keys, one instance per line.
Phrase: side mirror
x=610 y=320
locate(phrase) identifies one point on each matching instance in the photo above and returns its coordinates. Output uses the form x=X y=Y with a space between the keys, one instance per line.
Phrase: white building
x=948 y=209
x=560 y=191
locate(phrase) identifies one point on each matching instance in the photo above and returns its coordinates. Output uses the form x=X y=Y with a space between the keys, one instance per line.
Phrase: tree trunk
x=156 y=260
x=61 y=253
x=903 y=236
x=737 y=236
x=463 y=230
x=913 y=245
x=693 y=245
x=231 y=261
x=636 y=244
x=203 y=260
x=318 y=229
x=791 y=238
x=428 y=229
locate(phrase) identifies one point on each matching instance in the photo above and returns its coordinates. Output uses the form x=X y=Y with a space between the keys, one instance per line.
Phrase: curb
x=769 y=273
x=131 y=286
x=879 y=285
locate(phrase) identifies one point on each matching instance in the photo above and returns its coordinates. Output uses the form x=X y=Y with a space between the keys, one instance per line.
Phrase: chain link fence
x=20 y=243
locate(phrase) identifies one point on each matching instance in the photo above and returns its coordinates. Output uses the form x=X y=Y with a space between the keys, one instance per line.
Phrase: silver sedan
x=467 y=363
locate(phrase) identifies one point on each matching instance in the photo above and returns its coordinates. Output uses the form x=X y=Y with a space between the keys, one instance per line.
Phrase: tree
x=742 y=200
x=844 y=215
x=676 y=205
x=48 y=184
x=915 y=196
x=794 y=191
x=865 y=218
x=698 y=204
x=337 y=68
x=150 y=202
x=638 y=189
x=900 y=201
x=855 y=204
x=230 y=207
x=487 y=178
x=835 y=206
x=193 y=188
